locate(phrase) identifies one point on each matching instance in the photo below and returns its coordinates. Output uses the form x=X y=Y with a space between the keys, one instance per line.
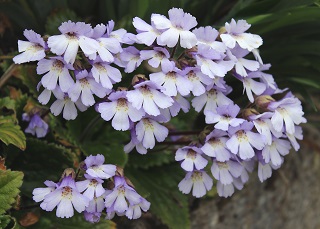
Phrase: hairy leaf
x=10 y=182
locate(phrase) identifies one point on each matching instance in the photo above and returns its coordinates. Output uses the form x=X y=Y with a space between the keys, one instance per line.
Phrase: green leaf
x=50 y=221
x=160 y=186
x=10 y=182
x=4 y=220
x=55 y=20
x=156 y=157
x=42 y=161
x=10 y=133
x=307 y=82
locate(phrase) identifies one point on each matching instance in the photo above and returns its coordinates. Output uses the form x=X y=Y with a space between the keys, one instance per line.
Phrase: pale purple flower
x=215 y=145
x=178 y=25
x=264 y=126
x=243 y=141
x=107 y=45
x=248 y=167
x=224 y=117
x=105 y=74
x=250 y=85
x=191 y=158
x=207 y=36
x=55 y=69
x=40 y=193
x=73 y=35
x=37 y=126
x=156 y=57
x=134 y=210
x=236 y=34
x=228 y=189
x=64 y=103
x=119 y=34
x=199 y=181
x=198 y=80
x=92 y=217
x=241 y=64
x=210 y=100
x=32 y=50
x=147 y=34
x=66 y=197
x=134 y=143
x=226 y=171
x=211 y=62
x=92 y=187
x=44 y=96
x=121 y=194
x=172 y=80
x=287 y=113
x=296 y=135
x=84 y=89
x=266 y=78
x=96 y=204
x=131 y=57
x=95 y=168
x=148 y=129
x=179 y=103
x=274 y=151
x=147 y=95
x=120 y=110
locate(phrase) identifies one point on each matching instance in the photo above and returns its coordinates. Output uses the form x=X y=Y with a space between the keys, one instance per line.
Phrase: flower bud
x=138 y=79
x=263 y=101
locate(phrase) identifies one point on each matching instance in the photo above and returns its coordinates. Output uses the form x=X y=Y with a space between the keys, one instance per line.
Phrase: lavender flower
x=210 y=100
x=65 y=197
x=84 y=88
x=32 y=50
x=157 y=56
x=243 y=140
x=198 y=181
x=121 y=194
x=207 y=36
x=56 y=69
x=73 y=35
x=148 y=130
x=37 y=126
x=147 y=96
x=134 y=143
x=64 y=103
x=287 y=112
x=226 y=171
x=172 y=81
x=40 y=193
x=131 y=57
x=95 y=168
x=92 y=217
x=191 y=158
x=120 y=111
x=105 y=74
x=273 y=152
x=215 y=145
x=134 y=210
x=236 y=34
x=147 y=34
x=225 y=116
x=92 y=187
x=178 y=25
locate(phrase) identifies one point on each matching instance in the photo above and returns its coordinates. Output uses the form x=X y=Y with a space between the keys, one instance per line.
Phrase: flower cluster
x=83 y=63
x=90 y=196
